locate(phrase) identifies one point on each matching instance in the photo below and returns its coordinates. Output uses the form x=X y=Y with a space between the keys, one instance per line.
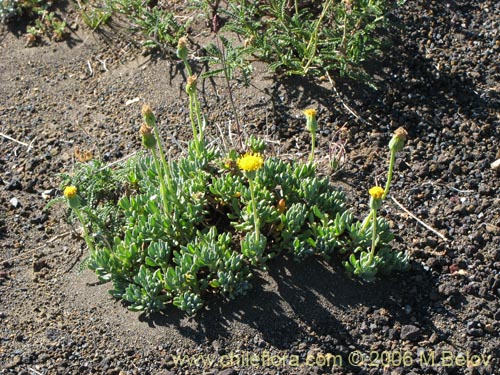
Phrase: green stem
x=235 y=112
x=161 y=178
x=199 y=118
x=374 y=234
x=192 y=111
x=367 y=221
x=255 y=215
x=163 y=159
x=313 y=146
x=86 y=236
x=165 y=190
x=188 y=67
x=389 y=174
x=313 y=40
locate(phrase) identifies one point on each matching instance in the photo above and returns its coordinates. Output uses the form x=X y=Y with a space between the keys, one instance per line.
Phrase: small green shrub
x=42 y=20
x=94 y=15
x=177 y=231
x=317 y=38
x=159 y=25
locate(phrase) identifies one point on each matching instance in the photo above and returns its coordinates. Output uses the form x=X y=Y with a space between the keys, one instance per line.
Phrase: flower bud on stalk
x=311 y=122
x=74 y=202
x=148 y=138
x=312 y=127
x=396 y=144
x=148 y=115
x=398 y=140
x=376 y=195
x=376 y=198
x=182 y=51
x=191 y=84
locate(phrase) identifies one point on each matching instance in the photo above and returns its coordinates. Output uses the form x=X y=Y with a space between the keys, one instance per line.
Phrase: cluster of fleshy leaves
x=206 y=244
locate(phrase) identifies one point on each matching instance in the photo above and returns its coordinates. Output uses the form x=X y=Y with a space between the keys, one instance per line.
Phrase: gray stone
x=410 y=333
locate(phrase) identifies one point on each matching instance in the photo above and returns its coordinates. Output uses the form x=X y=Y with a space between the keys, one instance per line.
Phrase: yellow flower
x=70 y=192
x=250 y=162
x=376 y=192
x=310 y=112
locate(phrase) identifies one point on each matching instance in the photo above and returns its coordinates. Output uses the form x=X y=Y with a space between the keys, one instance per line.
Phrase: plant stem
x=188 y=67
x=161 y=178
x=162 y=154
x=313 y=40
x=389 y=174
x=229 y=90
x=313 y=146
x=374 y=234
x=367 y=221
x=192 y=112
x=199 y=117
x=86 y=236
x=255 y=215
x=235 y=112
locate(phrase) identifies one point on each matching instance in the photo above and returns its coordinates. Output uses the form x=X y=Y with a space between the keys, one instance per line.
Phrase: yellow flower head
x=70 y=191
x=310 y=112
x=376 y=192
x=250 y=162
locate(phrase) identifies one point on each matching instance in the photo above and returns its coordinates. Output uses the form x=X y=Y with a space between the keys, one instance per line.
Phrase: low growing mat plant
x=177 y=231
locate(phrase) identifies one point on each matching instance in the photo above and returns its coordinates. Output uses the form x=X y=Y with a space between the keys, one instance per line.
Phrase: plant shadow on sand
x=295 y=300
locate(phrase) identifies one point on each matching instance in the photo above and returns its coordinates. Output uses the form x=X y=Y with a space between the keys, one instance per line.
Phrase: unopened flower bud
x=148 y=138
x=148 y=115
x=182 y=50
x=312 y=124
x=398 y=140
x=281 y=206
x=191 y=84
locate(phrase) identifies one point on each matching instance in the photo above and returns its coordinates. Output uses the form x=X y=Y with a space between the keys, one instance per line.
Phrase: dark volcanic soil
x=440 y=79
